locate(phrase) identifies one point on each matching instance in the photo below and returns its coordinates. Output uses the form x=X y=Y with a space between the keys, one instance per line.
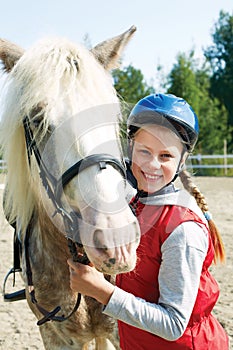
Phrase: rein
x=54 y=188
x=48 y=315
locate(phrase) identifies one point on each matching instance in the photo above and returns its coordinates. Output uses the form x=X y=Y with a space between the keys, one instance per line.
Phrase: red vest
x=203 y=331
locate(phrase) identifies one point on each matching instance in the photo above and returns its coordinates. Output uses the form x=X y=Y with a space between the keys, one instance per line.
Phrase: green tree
x=130 y=84
x=131 y=87
x=220 y=57
x=182 y=79
x=192 y=83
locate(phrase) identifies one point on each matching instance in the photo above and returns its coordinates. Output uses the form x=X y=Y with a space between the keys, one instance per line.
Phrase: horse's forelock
x=49 y=72
x=55 y=62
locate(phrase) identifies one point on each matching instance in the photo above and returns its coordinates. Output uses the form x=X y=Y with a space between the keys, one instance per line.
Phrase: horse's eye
x=37 y=121
x=36 y=116
x=38 y=125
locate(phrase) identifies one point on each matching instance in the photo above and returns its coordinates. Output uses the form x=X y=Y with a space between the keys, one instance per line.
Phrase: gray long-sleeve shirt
x=183 y=254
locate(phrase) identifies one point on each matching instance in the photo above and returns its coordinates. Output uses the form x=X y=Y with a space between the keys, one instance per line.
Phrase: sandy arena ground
x=18 y=329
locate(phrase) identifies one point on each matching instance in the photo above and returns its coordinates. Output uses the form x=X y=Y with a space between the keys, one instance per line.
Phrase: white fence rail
x=199 y=158
x=2 y=164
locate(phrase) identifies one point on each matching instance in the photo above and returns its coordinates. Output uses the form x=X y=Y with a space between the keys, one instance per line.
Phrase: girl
x=166 y=301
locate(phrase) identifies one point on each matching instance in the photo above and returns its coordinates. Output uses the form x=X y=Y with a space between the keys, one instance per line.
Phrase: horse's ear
x=109 y=52
x=9 y=54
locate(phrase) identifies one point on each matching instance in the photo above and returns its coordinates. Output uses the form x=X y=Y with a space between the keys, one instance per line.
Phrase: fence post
x=225 y=155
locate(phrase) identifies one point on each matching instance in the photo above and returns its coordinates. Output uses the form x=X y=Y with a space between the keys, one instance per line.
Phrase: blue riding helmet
x=167 y=110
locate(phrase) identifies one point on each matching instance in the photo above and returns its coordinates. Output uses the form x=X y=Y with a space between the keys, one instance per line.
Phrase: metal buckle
x=15 y=296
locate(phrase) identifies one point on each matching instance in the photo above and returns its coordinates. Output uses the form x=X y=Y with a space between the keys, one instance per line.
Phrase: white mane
x=48 y=73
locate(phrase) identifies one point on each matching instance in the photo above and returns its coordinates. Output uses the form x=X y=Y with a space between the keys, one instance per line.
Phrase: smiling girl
x=167 y=300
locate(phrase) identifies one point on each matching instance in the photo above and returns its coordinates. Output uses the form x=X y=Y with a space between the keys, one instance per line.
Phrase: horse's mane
x=52 y=70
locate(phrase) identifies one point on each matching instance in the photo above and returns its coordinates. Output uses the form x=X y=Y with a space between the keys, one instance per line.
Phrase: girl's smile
x=152 y=177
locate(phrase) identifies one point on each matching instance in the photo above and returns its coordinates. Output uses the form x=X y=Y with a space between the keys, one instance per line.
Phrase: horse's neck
x=48 y=251
x=47 y=242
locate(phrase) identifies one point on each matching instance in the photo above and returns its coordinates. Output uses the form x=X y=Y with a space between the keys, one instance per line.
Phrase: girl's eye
x=145 y=152
x=166 y=155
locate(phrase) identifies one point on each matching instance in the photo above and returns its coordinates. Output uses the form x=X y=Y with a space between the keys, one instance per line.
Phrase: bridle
x=54 y=189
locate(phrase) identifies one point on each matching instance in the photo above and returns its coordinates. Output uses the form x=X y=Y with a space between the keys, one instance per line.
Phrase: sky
x=164 y=27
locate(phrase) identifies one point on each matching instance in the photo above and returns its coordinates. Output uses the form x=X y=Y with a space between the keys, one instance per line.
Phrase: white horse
x=65 y=183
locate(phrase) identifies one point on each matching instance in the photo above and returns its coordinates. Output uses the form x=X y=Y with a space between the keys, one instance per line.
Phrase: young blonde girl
x=167 y=300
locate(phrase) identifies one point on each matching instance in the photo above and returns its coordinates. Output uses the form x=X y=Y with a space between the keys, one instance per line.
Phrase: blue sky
x=164 y=27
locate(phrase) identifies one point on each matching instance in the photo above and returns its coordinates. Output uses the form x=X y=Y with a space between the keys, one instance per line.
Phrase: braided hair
x=219 y=251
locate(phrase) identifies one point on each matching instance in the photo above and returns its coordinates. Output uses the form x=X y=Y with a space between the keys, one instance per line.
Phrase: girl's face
x=156 y=156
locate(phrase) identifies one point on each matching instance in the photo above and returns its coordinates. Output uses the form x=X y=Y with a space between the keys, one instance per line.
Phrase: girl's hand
x=87 y=280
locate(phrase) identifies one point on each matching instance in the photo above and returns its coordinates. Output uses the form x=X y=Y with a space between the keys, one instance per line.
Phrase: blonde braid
x=188 y=184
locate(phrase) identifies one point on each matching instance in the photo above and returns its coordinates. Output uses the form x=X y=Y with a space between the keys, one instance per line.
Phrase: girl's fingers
x=75 y=265
x=72 y=264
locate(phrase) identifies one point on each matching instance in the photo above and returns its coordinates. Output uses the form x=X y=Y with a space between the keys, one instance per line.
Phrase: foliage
x=193 y=83
x=130 y=84
x=220 y=57
x=131 y=87
x=182 y=79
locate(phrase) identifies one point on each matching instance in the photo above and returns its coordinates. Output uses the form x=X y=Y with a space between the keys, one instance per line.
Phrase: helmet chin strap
x=180 y=166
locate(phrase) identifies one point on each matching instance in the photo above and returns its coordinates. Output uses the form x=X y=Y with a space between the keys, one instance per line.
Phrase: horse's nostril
x=98 y=239
x=112 y=261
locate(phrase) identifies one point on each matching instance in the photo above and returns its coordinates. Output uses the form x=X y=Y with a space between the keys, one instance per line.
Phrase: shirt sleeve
x=183 y=254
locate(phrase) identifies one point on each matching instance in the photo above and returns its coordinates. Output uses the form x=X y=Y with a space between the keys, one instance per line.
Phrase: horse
x=65 y=181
